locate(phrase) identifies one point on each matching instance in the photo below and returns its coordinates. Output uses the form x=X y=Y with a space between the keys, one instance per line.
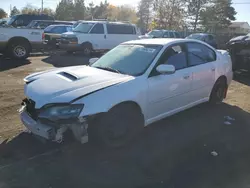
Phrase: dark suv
x=23 y=20
x=207 y=38
x=42 y=24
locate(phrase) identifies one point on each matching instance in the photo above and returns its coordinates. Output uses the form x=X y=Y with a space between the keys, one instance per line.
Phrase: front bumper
x=37 y=128
x=53 y=133
x=70 y=47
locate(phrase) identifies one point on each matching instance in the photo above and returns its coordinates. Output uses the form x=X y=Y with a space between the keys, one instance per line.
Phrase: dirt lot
x=173 y=153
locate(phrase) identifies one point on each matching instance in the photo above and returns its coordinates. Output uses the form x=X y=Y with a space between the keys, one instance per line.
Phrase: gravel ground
x=193 y=149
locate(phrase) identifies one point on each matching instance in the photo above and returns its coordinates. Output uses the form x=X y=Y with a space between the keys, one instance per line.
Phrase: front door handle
x=186 y=77
x=105 y=36
x=213 y=69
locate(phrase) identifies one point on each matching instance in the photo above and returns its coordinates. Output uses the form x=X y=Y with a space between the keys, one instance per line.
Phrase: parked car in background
x=208 y=38
x=239 y=48
x=133 y=85
x=89 y=36
x=52 y=34
x=161 y=34
x=22 y=20
x=3 y=21
x=42 y=24
x=19 y=42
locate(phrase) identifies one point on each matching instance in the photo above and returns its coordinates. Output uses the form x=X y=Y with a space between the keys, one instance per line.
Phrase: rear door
x=201 y=61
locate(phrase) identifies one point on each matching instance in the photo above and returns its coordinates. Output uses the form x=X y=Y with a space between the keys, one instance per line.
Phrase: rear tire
x=219 y=92
x=117 y=127
x=19 y=50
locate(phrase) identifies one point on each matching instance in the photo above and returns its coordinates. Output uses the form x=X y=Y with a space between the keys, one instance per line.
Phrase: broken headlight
x=60 y=112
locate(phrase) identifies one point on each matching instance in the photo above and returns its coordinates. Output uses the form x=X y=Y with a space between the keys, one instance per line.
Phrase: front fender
x=102 y=101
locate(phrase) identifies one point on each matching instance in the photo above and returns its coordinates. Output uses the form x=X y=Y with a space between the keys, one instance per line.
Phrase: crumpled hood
x=66 y=84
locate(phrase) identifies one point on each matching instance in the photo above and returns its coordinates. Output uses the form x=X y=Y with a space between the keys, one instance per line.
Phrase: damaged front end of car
x=53 y=120
x=239 y=48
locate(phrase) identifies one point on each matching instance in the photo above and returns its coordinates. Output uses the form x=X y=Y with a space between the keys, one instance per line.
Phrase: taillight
x=43 y=36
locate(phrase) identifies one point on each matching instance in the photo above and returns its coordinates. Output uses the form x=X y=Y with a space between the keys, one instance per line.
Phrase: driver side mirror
x=166 y=69
x=93 y=60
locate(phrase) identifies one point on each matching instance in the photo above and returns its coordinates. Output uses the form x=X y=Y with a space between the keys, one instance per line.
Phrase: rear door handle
x=186 y=77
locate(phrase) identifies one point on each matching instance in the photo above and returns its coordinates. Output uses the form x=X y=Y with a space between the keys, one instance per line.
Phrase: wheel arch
x=18 y=39
x=222 y=78
x=133 y=104
x=87 y=43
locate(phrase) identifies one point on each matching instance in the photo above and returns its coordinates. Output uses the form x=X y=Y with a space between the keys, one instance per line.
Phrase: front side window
x=175 y=56
x=166 y=35
x=98 y=29
x=12 y=20
x=130 y=59
x=200 y=54
x=83 y=27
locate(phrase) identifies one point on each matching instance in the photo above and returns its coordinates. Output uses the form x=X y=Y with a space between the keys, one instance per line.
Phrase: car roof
x=60 y=25
x=161 y=41
x=164 y=30
x=53 y=21
x=101 y=21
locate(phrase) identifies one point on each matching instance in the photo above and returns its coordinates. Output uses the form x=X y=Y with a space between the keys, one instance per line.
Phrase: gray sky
x=242 y=9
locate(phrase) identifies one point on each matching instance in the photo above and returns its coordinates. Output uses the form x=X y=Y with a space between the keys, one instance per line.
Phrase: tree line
x=196 y=15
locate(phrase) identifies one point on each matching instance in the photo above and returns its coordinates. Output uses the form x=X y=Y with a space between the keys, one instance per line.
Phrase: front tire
x=219 y=92
x=118 y=127
x=87 y=50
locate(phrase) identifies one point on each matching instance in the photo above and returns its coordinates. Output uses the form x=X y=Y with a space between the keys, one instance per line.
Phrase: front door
x=169 y=93
x=201 y=61
x=98 y=37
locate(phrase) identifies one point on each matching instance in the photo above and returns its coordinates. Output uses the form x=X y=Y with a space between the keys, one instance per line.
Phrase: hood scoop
x=68 y=76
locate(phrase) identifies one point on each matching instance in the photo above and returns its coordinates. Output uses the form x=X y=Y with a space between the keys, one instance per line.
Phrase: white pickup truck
x=17 y=43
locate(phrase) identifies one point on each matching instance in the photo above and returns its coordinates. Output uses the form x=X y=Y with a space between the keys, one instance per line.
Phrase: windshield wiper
x=109 y=69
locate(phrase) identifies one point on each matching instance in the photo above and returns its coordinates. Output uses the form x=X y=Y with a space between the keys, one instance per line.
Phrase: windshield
x=130 y=59
x=195 y=36
x=156 y=33
x=83 y=27
x=12 y=19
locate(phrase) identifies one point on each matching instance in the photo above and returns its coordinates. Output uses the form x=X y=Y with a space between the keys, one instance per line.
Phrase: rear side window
x=98 y=29
x=121 y=29
x=171 y=34
x=166 y=35
x=199 y=54
x=210 y=37
x=177 y=35
x=59 y=30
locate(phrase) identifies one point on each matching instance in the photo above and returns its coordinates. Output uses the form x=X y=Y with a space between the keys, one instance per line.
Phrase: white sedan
x=133 y=85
